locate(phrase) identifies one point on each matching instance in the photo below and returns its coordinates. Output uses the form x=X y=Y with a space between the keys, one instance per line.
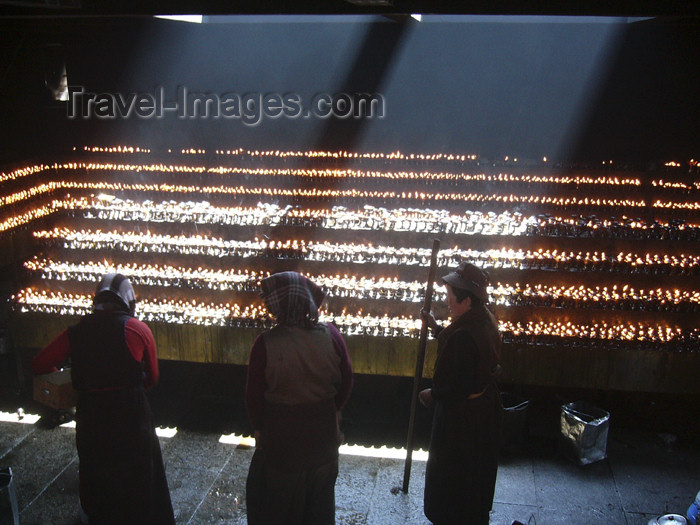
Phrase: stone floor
x=646 y=474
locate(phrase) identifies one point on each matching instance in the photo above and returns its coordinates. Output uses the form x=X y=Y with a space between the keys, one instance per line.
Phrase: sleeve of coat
x=255 y=383
x=52 y=355
x=343 y=394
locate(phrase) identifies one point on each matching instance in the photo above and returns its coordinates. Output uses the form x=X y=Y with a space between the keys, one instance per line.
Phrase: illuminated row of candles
x=317 y=193
x=424 y=176
x=330 y=173
x=114 y=149
x=337 y=217
x=622 y=297
x=22 y=172
x=29 y=193
x=368 y=288
x=353 y=193
x=668 y=205
x=174 y=311
x=93 y=166
x=233 y=315
x=149 y=275
x=136 y=168
x=676 y=185
x=623 y=228
x=378 y=219
x=553 y=332
x=27 y=217
x=200 y=245
x=334 y=155
x=342 y=154
x=227 y=280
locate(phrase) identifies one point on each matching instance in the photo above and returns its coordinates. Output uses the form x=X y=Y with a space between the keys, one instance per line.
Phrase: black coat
x=461 y=472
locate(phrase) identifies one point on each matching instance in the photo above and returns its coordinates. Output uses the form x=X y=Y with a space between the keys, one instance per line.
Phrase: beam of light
x=30 y=419
x=193 y=19
x=166 y=432
x=381 y=452
x=162 y=432
x=345 y=450
x=236 y=440
x=595 y=62
x=19 y=417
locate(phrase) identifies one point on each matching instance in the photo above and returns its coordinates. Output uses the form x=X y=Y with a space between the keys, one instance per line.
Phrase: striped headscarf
x=114 y=292
x=292 y=298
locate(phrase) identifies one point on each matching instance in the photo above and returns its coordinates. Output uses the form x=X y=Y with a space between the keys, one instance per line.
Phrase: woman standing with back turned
x=113 y=361
x=299 y=378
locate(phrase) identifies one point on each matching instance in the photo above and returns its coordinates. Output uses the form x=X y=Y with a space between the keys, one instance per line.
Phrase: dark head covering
x=292 y=298
x=114 y=292
x=470 y=278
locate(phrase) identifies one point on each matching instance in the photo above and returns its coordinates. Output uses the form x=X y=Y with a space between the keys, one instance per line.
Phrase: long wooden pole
x=420 y=359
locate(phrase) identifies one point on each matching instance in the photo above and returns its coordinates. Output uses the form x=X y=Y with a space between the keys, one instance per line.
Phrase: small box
x=55 y=390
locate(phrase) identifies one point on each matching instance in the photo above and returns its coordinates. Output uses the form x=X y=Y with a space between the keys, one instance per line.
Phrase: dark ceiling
x=480 y=7
x=584 y=89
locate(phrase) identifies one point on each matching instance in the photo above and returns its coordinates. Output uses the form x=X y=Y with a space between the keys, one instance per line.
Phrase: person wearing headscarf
x=113 y=360
x=460 y=475
x=299 y=379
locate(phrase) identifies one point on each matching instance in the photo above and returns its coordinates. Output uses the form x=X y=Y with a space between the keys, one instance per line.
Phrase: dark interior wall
x=580 y=89
x=648 y=106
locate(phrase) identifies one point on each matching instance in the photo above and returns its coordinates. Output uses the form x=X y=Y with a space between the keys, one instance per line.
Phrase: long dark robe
x=462 y=464
x=122 y=479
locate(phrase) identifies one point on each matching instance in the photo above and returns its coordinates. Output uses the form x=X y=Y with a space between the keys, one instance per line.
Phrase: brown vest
x=302 y=365
x=300 y=423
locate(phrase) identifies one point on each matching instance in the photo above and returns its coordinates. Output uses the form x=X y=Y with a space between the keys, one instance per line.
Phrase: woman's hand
x=426 y=397
x=429 y=318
